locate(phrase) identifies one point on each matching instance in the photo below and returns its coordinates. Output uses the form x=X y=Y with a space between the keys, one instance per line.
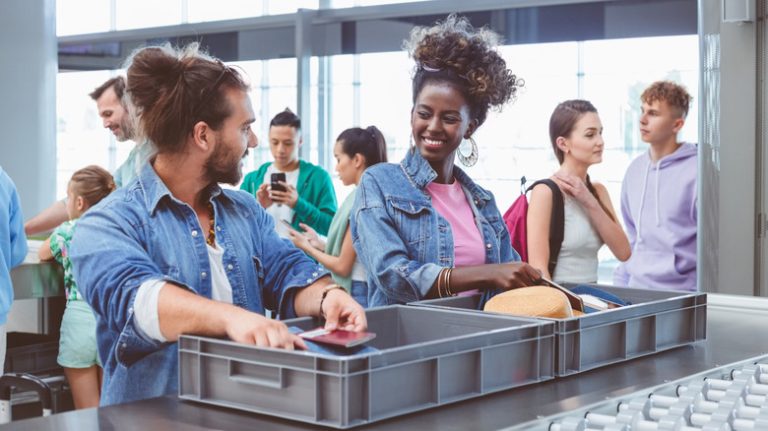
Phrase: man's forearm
x=183 y=312
x=307 y=300
x=48 y=219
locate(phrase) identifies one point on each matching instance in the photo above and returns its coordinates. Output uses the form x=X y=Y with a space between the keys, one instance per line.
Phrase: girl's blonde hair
x=92 y=183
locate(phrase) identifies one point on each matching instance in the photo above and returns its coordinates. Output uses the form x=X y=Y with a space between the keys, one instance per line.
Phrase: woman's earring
x=470 y=159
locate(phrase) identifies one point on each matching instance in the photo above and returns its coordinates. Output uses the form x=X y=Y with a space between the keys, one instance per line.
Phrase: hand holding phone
x=275 y=180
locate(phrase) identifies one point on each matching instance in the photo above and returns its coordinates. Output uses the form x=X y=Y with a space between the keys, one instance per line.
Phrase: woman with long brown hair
x=576 y=134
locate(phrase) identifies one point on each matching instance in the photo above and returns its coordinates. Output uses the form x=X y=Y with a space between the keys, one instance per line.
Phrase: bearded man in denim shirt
x=173 y=253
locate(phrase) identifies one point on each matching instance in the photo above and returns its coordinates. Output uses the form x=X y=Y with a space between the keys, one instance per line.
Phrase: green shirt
x=60 y=239
x=336 y=236
x=126 y=172
x=317 y=198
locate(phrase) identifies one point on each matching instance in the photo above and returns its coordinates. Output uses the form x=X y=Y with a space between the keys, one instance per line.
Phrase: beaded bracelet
x=327 y=289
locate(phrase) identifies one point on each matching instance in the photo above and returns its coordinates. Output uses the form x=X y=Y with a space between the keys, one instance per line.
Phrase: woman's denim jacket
x=403 y=241
x=142 y=232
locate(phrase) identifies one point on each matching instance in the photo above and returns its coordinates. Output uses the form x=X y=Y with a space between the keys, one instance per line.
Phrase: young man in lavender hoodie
x=659 y=199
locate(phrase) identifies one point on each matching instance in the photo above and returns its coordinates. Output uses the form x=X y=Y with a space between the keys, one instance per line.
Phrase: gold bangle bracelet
x=448 y=291
x=440 y=283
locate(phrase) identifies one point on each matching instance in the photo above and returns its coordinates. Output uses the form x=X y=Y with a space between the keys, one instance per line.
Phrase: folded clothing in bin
x=333 y=350
x=610 y=300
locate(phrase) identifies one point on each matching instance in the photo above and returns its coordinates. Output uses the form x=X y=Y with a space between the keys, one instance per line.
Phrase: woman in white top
x=576 y=132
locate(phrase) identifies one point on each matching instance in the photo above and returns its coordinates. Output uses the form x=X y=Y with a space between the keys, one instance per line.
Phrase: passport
x=338 y=337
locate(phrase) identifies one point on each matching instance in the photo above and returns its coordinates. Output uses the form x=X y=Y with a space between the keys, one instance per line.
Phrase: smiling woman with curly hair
x=423 y=228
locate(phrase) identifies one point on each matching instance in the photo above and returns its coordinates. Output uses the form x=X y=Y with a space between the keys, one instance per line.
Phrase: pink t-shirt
x=451 y=203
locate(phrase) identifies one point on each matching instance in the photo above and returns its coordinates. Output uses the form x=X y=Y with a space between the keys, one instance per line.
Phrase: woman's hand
x=312 y=237
x=574 y=186
x=299 y=239
x=516 y=274
x=503 y=276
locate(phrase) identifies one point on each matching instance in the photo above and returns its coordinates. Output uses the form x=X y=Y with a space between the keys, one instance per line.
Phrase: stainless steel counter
x=736 y=331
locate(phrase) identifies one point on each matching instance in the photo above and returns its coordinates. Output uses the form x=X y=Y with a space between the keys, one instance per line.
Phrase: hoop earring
x=471 y=159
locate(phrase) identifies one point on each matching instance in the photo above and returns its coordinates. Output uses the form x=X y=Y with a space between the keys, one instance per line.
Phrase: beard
x=126 y=130
x=223 y=166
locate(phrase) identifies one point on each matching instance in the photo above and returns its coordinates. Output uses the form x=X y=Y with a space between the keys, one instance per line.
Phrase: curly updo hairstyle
x=456 y=53
x=174 y=88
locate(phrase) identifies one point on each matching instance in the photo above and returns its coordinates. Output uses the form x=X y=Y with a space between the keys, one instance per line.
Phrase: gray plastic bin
x=656 y=321
x=427 y=358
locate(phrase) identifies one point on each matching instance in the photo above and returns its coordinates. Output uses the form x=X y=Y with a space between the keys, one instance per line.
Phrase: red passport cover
x=338 y=337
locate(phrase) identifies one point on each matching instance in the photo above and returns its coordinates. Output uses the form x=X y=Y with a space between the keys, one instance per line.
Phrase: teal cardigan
x=317 y=198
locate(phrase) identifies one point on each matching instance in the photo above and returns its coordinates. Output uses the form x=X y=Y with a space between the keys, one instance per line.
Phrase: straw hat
x=533 y=301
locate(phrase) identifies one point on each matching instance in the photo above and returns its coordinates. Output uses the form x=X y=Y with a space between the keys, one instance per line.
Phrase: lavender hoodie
x=658 y=203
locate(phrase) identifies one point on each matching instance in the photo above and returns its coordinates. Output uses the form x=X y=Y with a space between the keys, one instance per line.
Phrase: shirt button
x=314 y=274
x=230 y=267
x=203 y=274
x=218 y=228
x=124 y=346
x=309 y=280
x=194 y=233
x=130 y=310
x=488 y=246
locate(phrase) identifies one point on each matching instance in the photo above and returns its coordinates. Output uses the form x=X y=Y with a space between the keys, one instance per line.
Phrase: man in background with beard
x=173 y=253
x=113 y=111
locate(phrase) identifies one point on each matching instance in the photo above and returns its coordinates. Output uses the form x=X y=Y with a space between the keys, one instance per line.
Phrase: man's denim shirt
x=141 y=232
x=403 y=241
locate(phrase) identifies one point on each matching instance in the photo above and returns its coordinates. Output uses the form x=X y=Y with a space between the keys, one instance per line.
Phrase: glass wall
x=366 y=89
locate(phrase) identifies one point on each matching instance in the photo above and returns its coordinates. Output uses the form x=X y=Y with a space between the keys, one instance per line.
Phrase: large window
x=375 y=89
x=514 y=142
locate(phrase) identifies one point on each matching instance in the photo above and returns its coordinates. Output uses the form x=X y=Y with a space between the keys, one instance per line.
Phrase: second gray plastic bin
x=426 y=358
x=656 y=320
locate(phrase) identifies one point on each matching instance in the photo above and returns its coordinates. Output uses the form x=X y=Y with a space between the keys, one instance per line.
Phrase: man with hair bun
x=173 y=253
x=423 y=228
x=659 y=198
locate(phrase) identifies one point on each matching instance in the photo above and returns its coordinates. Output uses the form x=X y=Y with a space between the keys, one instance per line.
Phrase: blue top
x=13 y=242
x=403 y=241
x=141 y=232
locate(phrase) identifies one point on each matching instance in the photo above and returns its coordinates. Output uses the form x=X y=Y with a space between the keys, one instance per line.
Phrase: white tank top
x=577 y=261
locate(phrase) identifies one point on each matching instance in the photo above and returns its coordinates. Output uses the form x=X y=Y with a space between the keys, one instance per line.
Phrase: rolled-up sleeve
x=110 y=264
x=382 y=250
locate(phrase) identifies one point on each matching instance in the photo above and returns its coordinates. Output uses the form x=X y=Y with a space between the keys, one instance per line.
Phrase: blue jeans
x=359 y=291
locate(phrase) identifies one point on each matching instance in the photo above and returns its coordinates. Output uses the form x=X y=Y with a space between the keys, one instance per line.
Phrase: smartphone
x=339 y=337
x=275 y=181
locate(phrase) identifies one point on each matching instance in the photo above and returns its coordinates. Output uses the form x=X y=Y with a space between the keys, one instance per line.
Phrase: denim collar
x=155 y=189
x=420 y=173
